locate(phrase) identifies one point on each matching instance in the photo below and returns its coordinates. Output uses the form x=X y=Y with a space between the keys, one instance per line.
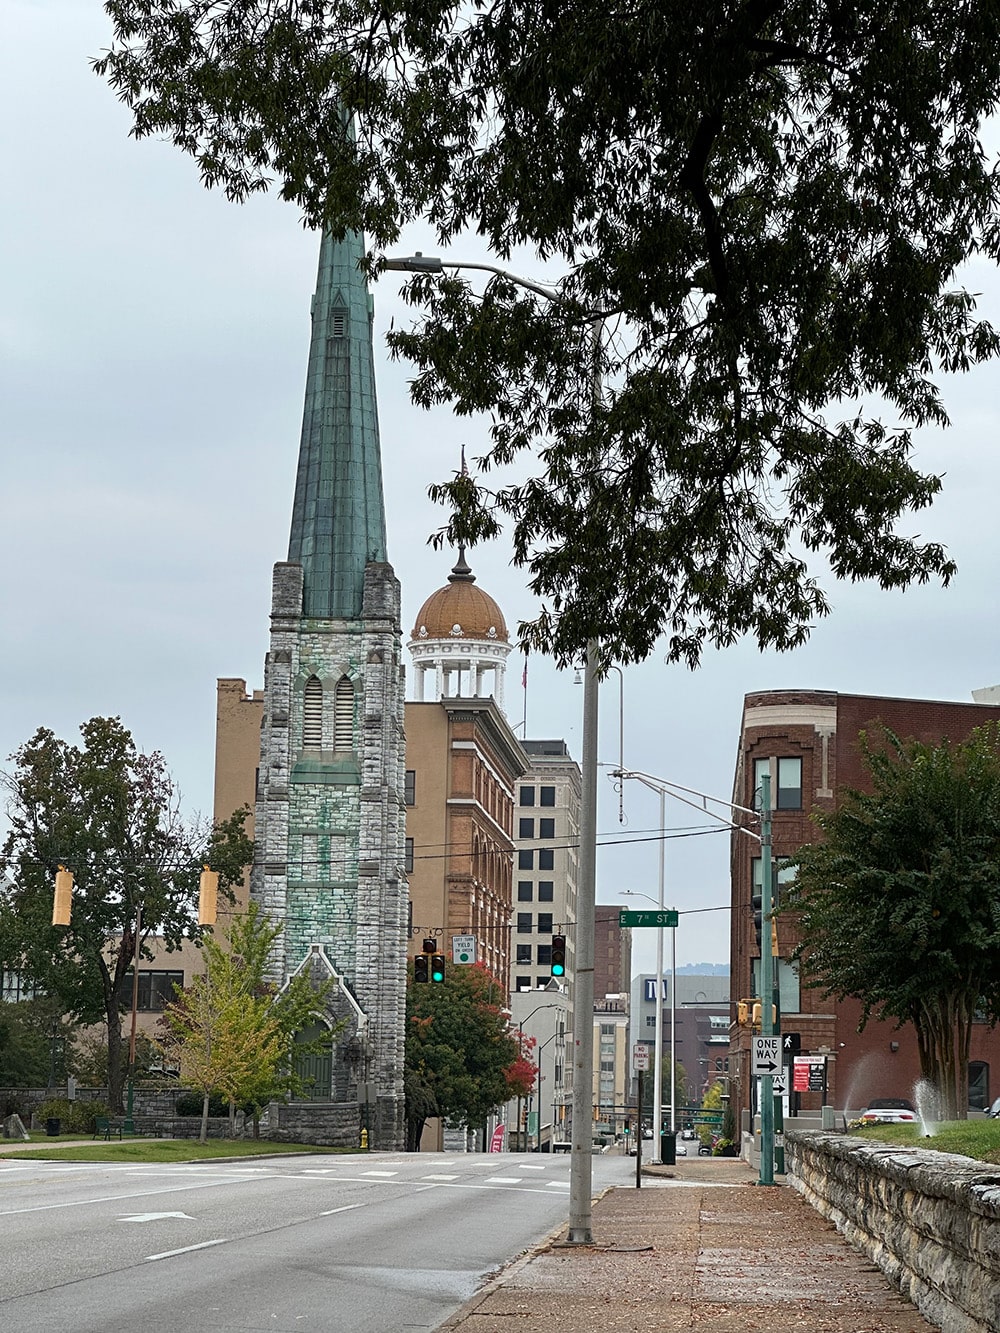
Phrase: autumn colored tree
x=232 y=1029
x=111 y=815
x=462 y=1060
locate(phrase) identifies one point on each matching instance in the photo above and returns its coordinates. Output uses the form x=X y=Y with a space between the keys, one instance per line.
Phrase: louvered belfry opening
x=312 y=721
x=343 y=715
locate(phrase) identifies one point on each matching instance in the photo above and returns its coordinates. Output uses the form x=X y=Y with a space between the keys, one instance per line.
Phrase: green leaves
x=899 y=906
x=764 y=206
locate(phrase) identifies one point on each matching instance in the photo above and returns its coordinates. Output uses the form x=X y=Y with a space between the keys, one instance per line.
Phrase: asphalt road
x=344 y=1244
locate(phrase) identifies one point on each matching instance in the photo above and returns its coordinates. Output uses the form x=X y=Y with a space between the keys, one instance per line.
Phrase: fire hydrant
x=364 y=1139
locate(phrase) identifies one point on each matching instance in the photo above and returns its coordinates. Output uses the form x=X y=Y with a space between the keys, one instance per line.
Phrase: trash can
x=668 y=1147
x=52 y=1127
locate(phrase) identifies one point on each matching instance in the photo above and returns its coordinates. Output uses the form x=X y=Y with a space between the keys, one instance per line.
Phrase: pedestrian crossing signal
x=558 y=957
x=437 y=967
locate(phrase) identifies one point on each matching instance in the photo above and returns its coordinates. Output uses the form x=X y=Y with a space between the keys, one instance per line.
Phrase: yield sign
x=153 y=1217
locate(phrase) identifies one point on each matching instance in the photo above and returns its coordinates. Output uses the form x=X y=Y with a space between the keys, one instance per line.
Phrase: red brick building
x=808 y=741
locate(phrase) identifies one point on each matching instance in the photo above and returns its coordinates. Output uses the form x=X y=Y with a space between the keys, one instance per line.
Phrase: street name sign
x=766 y=1055
x=647 y=918
x=463 y=948
x=708 y=1118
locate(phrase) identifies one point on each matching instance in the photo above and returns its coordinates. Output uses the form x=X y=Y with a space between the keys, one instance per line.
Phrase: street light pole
x=581 y=1156
x=658 y=1037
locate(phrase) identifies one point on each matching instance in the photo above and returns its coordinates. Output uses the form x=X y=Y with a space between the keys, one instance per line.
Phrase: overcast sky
x=154 y=341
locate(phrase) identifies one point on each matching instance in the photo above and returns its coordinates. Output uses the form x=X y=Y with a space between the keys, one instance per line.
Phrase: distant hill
x=703 y=970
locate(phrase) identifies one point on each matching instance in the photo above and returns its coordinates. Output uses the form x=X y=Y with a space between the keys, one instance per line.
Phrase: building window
x=523 y=953
x=544 y=955
x=546 y=828
x=312 y=717
x=525 y=860
x=547 y=796
x=522 y=983
x=410 y=787
x=783 y=874
x=526 y=796
x=546 y=858
x=787 y=795
x=525 y=828
x=338 y=323
x=546 y=890
x=542 y=981
x=545 y=923
x=343 y=715
x=408 y=856
x=789 y=784
x=524 y=890
x=524 y=923
x=651 y=1020
x=156 y=990
x=607 y=1029
x=607 y=1066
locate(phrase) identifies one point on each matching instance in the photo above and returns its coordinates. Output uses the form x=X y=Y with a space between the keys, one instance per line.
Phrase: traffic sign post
x=661 y=919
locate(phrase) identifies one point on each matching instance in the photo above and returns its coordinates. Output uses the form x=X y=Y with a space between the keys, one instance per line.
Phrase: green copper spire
x=338 y=518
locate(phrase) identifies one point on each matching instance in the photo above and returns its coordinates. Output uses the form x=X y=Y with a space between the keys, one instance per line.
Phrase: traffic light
x=743 y=1012
x=62 y=901
x=430 y=945
x=757 y=1014
x=558 y=958
x=208 y=897
x=421 y=967
x=437 y=967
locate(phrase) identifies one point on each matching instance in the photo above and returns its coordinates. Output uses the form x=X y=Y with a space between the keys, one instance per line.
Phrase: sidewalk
x=699 y=1246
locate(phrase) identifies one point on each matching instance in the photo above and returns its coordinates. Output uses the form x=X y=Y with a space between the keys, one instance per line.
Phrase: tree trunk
x=116 y=1064
x=203 y=1136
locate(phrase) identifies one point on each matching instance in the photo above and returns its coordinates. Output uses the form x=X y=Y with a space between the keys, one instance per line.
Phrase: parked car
x=704 y=1150
x=994 y=1110
x=688 y=1134
x=888 y=1111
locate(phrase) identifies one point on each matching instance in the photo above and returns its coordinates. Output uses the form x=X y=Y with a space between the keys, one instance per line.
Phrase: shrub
x=73 y=1117
x=191 y=1103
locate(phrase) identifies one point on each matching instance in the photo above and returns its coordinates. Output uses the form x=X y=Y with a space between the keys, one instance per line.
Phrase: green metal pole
x=766 y=984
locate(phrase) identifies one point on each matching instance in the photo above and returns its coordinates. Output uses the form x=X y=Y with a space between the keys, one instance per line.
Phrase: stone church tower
x=329 y=811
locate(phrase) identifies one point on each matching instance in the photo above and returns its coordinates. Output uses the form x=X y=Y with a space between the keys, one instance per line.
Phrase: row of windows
x=524 y=923
x=525 y=891
x=526 y=828
x=543 y=954
x=525 y=983
x=546 y=796
x=156 y=990
x=546 y=859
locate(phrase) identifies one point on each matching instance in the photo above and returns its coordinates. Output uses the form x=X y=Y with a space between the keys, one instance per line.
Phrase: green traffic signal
x=437 y=967
x=557 y=963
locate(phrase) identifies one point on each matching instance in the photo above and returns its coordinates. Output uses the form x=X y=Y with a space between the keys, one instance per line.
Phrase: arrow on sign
x=766 y=1066
x=154 y=1217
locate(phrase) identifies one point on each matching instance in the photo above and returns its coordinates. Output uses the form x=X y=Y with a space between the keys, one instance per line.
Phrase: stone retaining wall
x=930 y=1221
x=325 y=1124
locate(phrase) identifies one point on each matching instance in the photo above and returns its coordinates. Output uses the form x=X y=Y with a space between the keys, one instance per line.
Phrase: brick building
x=808 y=741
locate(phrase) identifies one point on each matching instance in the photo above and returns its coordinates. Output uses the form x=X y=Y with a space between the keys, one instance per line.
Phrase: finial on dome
x=461 y=570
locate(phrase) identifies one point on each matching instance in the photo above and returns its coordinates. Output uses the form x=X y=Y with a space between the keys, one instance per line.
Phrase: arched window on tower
x=312 y=716
x=343 y=715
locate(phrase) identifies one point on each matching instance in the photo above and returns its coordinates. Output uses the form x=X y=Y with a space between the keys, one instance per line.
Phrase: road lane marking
x=154 y=1217
x=557 y=1184
x=169 y=1254
x=503 y=1180
x=439 y=1177
x=345 y=1209
x=108 y=1198
x=530 y=1166
x=380 y=1175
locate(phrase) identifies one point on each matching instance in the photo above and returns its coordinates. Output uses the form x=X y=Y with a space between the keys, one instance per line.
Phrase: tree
x=764 y=205
x=233 y=1030
x=111 y=815
x=462 y=1060
x=899 y=906
x=35 y=1041
x=680 y=1087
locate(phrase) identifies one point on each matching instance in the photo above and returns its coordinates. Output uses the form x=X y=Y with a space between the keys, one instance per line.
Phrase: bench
x=104 y=1127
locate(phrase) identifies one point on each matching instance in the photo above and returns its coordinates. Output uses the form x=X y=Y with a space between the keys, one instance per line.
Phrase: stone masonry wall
x=930 y=1221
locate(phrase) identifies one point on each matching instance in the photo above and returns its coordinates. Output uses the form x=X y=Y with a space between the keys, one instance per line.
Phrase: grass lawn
x=979 y=1139
x=160 y=1150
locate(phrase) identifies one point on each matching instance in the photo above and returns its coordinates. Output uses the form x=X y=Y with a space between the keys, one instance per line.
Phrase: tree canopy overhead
x=900 y=904
x=763 y=205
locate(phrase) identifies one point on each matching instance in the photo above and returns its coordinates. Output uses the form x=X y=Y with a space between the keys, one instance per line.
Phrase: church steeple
x=338 y=516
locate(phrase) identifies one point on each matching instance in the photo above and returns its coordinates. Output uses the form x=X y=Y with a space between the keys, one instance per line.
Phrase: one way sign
x=766 y=1055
